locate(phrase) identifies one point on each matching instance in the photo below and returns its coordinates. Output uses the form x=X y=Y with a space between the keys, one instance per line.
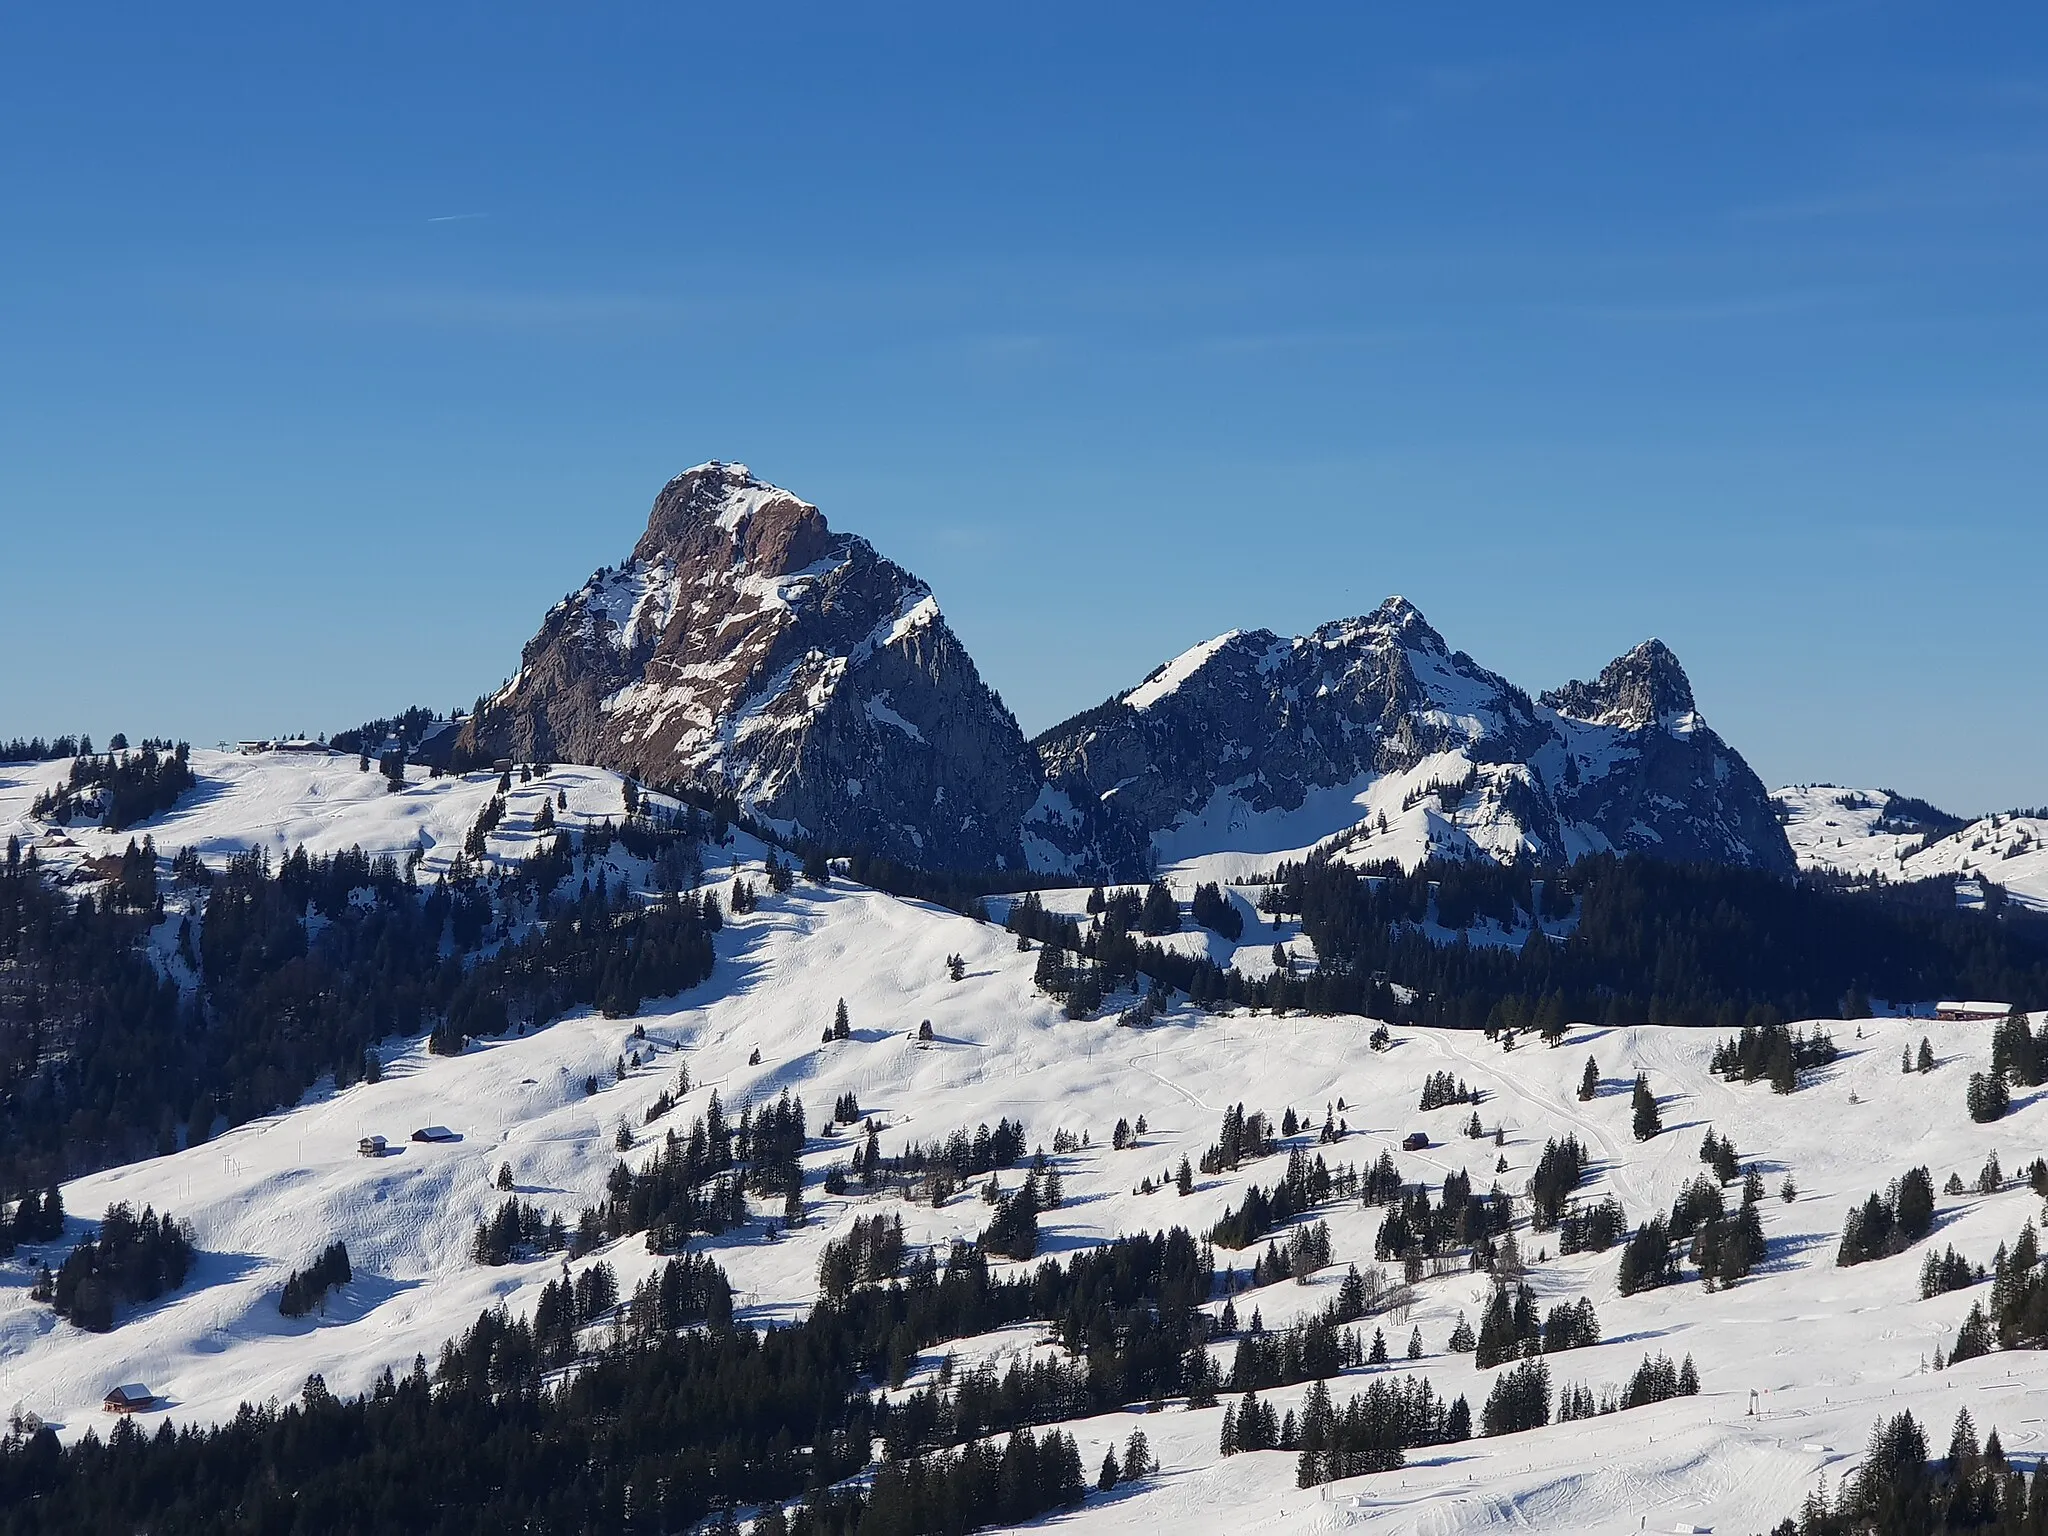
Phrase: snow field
x=280 y=801
x=1827 y=834
x=1826 y=1349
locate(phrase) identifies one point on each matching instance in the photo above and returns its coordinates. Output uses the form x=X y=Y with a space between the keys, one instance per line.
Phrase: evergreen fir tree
x=1108 y=1477
x=1646 y=1120
x=1138 y=1457
x=1461 y=1340
x=1987 y=1097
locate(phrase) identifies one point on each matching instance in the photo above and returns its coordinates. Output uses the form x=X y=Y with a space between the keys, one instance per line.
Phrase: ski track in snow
x=1828 y=1350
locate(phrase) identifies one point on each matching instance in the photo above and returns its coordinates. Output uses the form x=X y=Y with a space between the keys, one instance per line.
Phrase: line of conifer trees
x=1650 y=941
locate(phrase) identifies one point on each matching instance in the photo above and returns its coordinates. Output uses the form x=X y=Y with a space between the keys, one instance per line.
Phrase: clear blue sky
x=333 y=350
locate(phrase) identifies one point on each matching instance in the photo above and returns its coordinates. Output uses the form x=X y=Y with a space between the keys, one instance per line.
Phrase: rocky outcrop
x=747 y=648
x=1634 y=692
x=1643 y=772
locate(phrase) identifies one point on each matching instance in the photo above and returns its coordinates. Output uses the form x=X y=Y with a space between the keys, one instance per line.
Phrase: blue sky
x=334 y=349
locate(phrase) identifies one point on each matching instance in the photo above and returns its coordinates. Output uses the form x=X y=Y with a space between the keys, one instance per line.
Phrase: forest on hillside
x=1622 y=940
x=302 y=968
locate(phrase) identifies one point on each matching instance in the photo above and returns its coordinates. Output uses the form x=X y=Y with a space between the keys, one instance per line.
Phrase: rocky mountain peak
x=1646 y=687
x=722 y=510
x=748 y=649
x=1394 y=622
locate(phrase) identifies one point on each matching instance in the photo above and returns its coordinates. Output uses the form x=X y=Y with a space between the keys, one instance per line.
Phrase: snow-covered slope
x=1876 y=832
x=1372 y=737
x=1826 y=1350
x=279 y=801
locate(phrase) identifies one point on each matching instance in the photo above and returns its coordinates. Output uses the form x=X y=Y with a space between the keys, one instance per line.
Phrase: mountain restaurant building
x=1972 y=1013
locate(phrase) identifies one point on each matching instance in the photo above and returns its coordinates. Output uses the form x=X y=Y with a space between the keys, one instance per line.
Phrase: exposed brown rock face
x=745 y=646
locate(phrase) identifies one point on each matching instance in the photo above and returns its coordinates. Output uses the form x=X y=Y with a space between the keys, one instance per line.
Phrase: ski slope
x=1827 y=1350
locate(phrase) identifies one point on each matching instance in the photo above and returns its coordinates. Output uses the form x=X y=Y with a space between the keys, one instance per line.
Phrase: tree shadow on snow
x=209 y=1269
x=2019 y=1104
x=204 y=793
x=1644 y=1335
x=349 y=1303
x=1784 y=1253
x=1058 y=1242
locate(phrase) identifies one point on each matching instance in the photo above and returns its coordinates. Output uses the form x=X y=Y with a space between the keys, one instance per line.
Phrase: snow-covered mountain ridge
x=1372 y=737
x=746 y=647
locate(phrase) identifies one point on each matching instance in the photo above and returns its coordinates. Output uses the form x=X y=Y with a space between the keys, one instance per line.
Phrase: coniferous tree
x=1160 y=913
x=1646 y=1121
x=1138 y=1457
x=1889 y=1221
x=1974 y=1338
x=1646 y=1261
x=1520 y=1400
x=1462 y=1340
x=1987 y=1097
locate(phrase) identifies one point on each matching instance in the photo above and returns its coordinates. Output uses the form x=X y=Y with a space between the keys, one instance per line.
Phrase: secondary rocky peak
x=1646 y=687
x=1256 y=745
x=1396 y=620
x=1399 y=617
